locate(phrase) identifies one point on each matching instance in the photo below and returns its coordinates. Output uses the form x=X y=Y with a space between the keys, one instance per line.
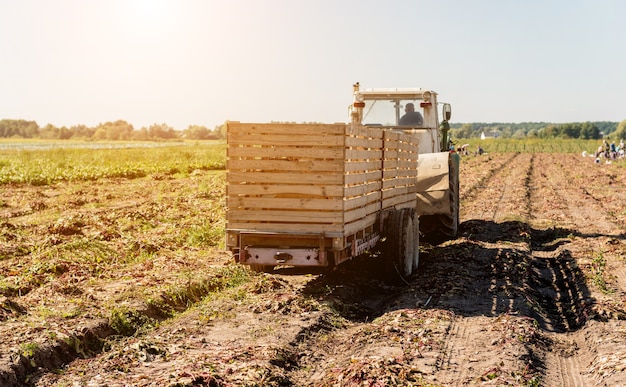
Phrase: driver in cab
x=411 y=117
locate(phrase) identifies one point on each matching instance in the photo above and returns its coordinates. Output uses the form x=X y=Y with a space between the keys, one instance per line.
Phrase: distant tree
x=464 y=132
x=140 y=135
x=118 y=130
x=570 y=130
x=519 y=133
x=606 y=127
x=64 y=133
x=220 y=131
x=197 y=132
x=551 y=131
x=620 y=132
x=18 y=128
x=589 y=131
x=49 y=132
x=506 y=132
x=162 y=132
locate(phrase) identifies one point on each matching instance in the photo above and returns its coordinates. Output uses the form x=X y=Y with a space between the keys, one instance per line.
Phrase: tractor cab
x=390 y=108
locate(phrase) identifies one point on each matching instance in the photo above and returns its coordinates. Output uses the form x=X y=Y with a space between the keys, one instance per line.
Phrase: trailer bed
x=314 y=184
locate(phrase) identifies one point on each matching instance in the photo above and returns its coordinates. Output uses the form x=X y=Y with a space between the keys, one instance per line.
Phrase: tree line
x=119 y=130
x=577 y=130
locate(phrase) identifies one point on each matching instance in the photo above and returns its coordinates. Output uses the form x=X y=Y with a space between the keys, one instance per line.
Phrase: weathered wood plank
x=359 y=225
x=287 y=165
x=275 y=216
x=286 y=139
x=274 y=152
x=358 y=154
x=286 y=227
x=362 y=189
x=362 y=131
x=358 y=213
x=362 y=201
x=285 y=128
x=362 y=177
x=354 y=166
x=393 y=201
x=357 y=142
x=284 y=178
x=290 y=190
x=271 y=204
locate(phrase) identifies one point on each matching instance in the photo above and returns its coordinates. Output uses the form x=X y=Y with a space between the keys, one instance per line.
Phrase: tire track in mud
x=495 y=166
x=563 y=302
x=552 y=285
x=481 y=341
x=488 y=198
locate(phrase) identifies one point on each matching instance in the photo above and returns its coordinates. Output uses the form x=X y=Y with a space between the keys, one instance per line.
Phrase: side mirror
x=447 y=111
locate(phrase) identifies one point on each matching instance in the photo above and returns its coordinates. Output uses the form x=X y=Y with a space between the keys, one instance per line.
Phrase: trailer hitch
x=282 y=257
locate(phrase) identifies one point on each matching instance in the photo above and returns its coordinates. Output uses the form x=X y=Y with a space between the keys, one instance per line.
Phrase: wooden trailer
x=316 y=195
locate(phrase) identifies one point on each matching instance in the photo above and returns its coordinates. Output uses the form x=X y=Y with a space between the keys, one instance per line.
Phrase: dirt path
x=531 y=293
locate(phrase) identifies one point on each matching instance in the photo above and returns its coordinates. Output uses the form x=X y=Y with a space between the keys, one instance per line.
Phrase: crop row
x=46 y=166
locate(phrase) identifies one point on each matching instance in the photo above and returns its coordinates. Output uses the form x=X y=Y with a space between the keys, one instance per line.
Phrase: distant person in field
x=411 y=117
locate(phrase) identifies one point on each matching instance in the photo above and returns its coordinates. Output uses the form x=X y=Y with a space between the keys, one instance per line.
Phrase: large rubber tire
x=442 y=227
x=402 y=251
x=416 y=242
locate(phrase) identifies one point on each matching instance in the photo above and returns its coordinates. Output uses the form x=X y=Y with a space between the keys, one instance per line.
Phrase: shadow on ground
x=491 y=269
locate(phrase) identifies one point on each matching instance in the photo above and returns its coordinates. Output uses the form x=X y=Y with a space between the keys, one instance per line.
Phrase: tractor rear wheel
x=402 y=251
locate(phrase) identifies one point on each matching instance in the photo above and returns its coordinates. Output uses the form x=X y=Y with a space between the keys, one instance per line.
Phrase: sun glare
x=149 y=15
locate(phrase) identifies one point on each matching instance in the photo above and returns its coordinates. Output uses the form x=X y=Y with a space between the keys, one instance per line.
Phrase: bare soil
x=109 y=283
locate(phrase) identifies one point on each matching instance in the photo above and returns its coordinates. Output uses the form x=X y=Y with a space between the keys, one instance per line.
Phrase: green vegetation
x=577 y=130
x=29 y=349
x=531 y=145
x=598 y=269
x=46 y=166
x=126 y=321
x=112 y=131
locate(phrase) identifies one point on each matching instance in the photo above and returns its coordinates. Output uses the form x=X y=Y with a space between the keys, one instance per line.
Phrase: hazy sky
x=202 y=62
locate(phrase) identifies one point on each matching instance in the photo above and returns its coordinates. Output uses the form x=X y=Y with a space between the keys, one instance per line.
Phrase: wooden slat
x=400 y=163
x=284 y=178
x=358 y=213
x=289 y=129
x=291 y=190
x=357 y=142
x=286 y=216
x=271 y=204
x=361 y=224
x=287 y=165
x=362 y=189
x=286 y=227
x=363 y=131
x=288 y=152
x=393 y=201
x=356 y=154
x=353 y=166
x=286 y=139
x=397 y=173
x=362 y=177
x=361 y=201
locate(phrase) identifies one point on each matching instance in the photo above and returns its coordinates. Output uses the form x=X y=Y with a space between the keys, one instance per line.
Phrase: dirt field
x=121 y=283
